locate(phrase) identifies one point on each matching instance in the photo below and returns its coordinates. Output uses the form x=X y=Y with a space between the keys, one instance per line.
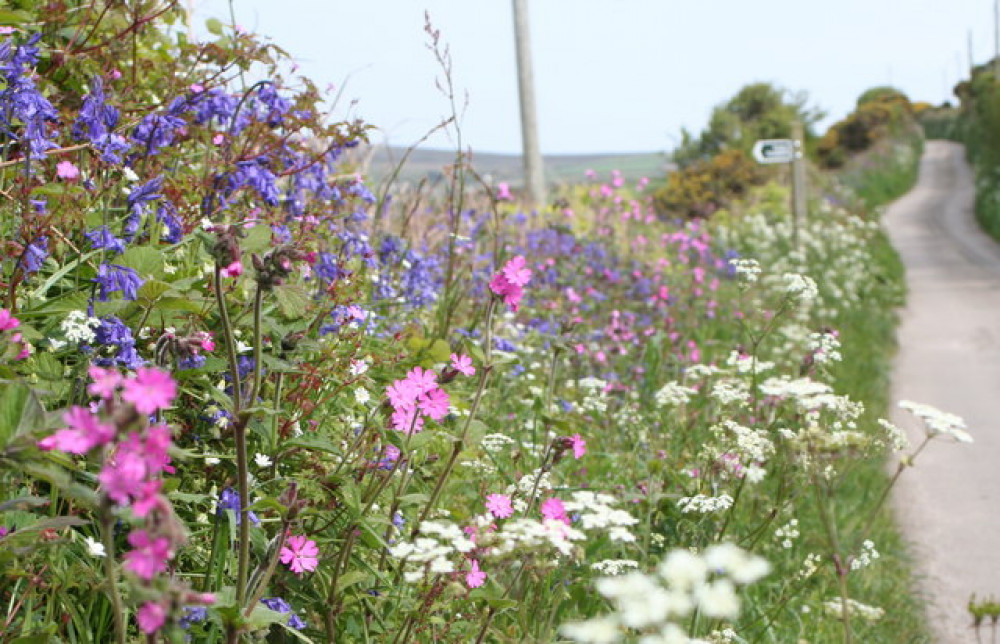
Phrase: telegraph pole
x=531 y=155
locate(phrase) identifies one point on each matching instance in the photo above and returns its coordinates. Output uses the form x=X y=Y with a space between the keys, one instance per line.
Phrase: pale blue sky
x=614 y=75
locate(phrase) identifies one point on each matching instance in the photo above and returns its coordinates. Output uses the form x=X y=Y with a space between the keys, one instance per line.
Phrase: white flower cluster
x=432 y=551
x=594 y=398
x=753 y=445
x=596 y=511
x=614 y=567
x=788 y=533
x=744 y=363
x=79 y=327
x=731 y=391
x=683 y=583
x=938 y=422
x=809 y=566
x=834 y=608
x=704 y=504
x=895 y=438
x=673 y=394
x=522 y=534
x=494 y=443
x=825 y=348
x=700 y=371
x=747 y=270
x=867 y=556
x=801 y=288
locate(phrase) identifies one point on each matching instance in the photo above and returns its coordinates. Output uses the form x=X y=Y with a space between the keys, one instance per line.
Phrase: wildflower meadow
x=249 y=396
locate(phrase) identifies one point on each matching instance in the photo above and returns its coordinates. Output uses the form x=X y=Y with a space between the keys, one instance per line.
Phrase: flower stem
x=108 y=538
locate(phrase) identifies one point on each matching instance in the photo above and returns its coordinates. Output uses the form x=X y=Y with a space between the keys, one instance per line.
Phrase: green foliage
x=757 y=111
x=976 y=123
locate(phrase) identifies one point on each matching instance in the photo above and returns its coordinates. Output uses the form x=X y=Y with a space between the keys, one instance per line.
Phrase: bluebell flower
x=327 y=267
x=192 y=361
x=35 y=254
x=230 y=500
x=157 y=131
x=96 y=122
x=21 y=100
x=279 y=605
x=117 y=345
x=501 y=344
x=256 y=174
x=281 y=234
x=167 y=215
x=101 y=238
x=272 y=107
x=192 y=615
x=112 y=278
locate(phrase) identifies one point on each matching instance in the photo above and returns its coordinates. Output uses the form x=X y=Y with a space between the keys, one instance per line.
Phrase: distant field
x=507 y=167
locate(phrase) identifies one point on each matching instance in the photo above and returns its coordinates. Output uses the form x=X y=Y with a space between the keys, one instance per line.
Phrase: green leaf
x=292 y=300
x=214 y=26
x=144 y=260
x=258 y=240
x=153 y=289
x=348 y=579
x=20 y=411
x=440 y=351
x=8 y=17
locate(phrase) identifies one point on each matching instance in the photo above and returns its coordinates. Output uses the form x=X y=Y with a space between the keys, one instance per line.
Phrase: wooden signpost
x=769 y=151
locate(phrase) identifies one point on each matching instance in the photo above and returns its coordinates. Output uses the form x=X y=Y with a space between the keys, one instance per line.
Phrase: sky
x=611 y=75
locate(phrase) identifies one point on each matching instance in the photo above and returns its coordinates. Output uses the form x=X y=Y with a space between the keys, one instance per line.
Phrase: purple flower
x=21 y=100
x=256 y=174
x=279 y=605
x=167 y=215
x=95 y=123
x=101 y=238
x=112 y=278
x=157 y=131
x=192 y=615
x=114 y=335
x=35 y=254
x=230 y=500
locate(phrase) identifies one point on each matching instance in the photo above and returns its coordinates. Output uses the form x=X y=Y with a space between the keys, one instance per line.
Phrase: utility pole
x=996 y=35
x=531 y=155
x=972 y=62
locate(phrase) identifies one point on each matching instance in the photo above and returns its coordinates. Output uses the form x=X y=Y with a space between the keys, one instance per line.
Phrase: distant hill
x=559 y=168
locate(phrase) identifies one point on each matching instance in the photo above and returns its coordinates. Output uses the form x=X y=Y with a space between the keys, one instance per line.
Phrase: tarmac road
x=949 y=357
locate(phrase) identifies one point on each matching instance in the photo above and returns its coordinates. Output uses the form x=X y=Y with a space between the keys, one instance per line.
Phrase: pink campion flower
x=8 y=321
x=516 y=272
x=503 y=192
x=422 y=380
x=434 y=404
x=124 y=477
x=510 y=280
x=150 y=390
x=299 y=554
x=402 y=394
x=407 y=420
x=462 y=364
x=579 y=446
x=475 y=577
x=151 y=617
x=85 y=432
x=149 y=556
x=106 y=382
x=235 y=269
x=196 y=88
x=218 y=138
x=499 y=505
x=66 y=170
x=554 y=510
x=149 y=499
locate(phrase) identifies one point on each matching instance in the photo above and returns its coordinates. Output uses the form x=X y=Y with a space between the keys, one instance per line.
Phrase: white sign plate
x=774 y=151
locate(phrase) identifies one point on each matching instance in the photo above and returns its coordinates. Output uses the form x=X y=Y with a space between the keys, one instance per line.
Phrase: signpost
x=774 y=151
x=788 y=151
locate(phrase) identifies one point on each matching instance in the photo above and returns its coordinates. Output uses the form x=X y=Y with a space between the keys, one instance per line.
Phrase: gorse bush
x=240 y=404
x=700 y=189
x=882 y=113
